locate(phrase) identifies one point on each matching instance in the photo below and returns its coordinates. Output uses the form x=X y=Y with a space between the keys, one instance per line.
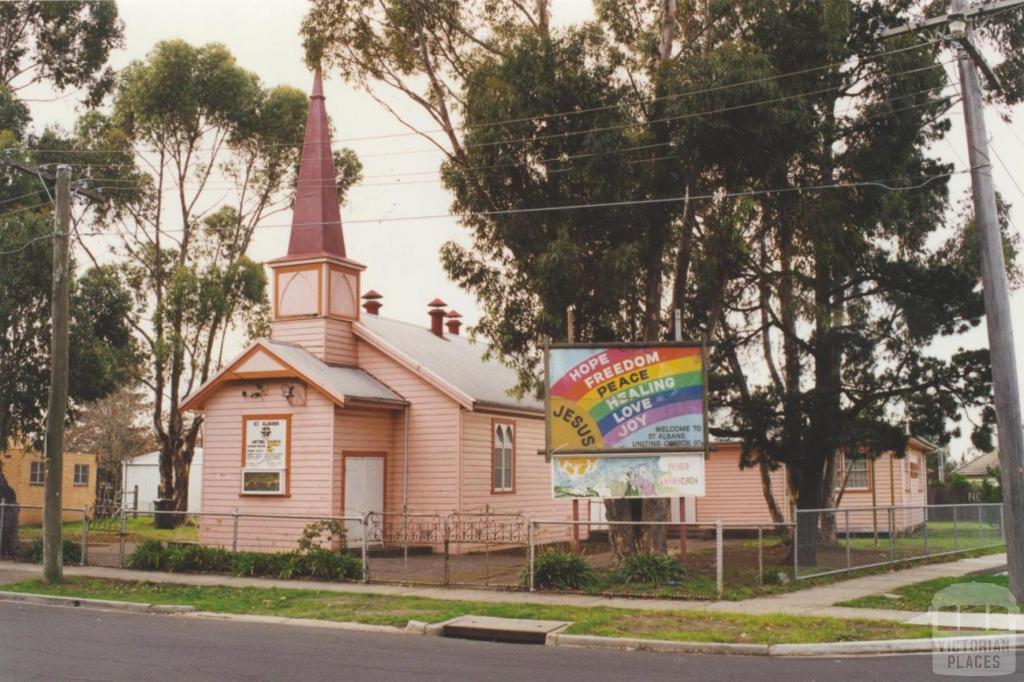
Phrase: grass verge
x=398 y=610
x=919 y=596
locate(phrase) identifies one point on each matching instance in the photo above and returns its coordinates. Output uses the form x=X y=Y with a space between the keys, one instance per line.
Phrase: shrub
x=651 y=568
x=149 y=556
x=315 y=535
x=775 y=576
x=256 y=564
x=317 y=562
x=559 y=570
x=72 y=552
x=327 y=565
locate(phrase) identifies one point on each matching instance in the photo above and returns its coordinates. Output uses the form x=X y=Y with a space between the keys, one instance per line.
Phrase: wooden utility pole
x=959 y=23
x=57 y=406
x=53 y=559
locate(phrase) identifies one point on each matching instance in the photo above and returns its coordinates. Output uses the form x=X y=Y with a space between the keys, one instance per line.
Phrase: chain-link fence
x=483 y=548
x=513 y=551
x=838 y=540
x=21 y=533
x=662 y=559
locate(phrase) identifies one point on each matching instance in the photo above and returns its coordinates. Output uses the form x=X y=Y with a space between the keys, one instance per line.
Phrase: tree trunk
x=828 y=496
x=638 y=538
x=647 y=538
x=807 y=524
x=11 y=544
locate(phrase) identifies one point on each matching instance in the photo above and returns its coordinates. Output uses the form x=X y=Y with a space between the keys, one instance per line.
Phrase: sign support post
x=570 y=336
x=678 y=328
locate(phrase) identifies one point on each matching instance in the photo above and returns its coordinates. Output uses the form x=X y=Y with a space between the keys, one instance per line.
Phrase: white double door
x=364 y=490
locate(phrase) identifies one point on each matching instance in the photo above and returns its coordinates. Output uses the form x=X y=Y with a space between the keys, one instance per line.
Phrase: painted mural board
x=654 y=475
x=617 y=398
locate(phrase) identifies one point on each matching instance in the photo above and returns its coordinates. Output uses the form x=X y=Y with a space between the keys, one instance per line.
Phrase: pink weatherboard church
x=343 y=411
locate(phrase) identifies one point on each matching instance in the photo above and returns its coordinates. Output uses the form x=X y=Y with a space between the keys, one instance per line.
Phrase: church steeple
x=316 y=217
x=316 y=286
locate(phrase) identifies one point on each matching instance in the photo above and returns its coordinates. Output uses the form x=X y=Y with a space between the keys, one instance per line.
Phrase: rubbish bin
x=164 y=520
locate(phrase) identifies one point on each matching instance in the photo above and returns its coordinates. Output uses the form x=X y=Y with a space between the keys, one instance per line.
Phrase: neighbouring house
x=886 y=481
x=736 y=496
x=141 y=481
x=980 y=468
x=25 y=472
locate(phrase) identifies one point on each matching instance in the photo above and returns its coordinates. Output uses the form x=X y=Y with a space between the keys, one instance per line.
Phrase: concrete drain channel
x=508 y=630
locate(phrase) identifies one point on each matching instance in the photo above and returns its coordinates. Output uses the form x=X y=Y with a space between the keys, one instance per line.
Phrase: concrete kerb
x=101 y=604
x=556 y=638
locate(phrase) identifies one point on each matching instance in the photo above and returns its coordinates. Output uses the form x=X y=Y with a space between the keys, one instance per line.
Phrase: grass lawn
x=398 y=610
x=918 y=597
x=138 y=529
x=941 y=537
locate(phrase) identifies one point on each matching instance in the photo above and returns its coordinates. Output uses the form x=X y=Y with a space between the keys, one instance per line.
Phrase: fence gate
x=489 y=550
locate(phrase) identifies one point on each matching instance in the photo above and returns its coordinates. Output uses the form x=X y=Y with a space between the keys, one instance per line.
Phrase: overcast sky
x=402 y=257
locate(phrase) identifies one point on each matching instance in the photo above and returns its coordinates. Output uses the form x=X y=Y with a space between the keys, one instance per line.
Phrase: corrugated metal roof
x=455 y=360
x=343 y=382
x=978 y=466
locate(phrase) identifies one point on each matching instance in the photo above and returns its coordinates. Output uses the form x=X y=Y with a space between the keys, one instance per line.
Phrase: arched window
x=503 y=457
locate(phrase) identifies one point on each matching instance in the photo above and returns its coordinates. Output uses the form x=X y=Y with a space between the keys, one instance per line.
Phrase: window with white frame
x=81 y=474
x=503 y=458
x=857 y=472
x=36 y=473
x=266 y=454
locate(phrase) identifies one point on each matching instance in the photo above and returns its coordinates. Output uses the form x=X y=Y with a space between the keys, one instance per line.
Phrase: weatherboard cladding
x=346 y=382
x=455 y=360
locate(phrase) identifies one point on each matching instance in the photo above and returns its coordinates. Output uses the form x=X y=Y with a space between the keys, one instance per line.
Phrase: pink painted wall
x=311 y=473
x=735 y=495
x=330 y=340
x=433 y=437
x=368 y=431
x=888 y=494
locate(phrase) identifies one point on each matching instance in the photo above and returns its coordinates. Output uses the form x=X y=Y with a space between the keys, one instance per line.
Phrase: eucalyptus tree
x=195 y=152
x=763 y=166
x=66 y=44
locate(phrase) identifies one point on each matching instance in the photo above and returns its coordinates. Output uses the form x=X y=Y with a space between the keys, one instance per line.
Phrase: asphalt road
x=59 y=643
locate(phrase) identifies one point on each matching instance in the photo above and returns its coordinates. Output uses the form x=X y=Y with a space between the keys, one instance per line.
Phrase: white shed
x=144 y=471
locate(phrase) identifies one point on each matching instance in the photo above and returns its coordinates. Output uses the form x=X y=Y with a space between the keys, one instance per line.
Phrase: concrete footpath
x=814 y=601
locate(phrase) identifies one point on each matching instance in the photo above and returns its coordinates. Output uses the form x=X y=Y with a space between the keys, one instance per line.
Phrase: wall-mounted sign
x=628 y=476
x=266 y=455
x=625 y=398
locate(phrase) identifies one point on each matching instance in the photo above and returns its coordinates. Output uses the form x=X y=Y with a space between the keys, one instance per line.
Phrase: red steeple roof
x=316 y=216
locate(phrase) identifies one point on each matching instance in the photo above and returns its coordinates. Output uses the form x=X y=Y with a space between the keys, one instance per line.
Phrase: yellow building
x=25 y=472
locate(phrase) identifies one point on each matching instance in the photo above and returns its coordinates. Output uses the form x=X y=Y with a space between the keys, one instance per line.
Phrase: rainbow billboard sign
x=626 y=398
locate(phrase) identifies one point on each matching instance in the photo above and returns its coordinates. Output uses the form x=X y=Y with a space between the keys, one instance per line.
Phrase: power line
x=1007 y=169
x=27 y=244
x=885 y=185
x=118 y=183
x=23 y=209
x=542 y=117
x=21 y=196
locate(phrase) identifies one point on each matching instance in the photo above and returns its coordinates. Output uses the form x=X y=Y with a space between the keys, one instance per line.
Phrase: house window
x=266 y=454
x=36 y=473
x=915 y=472
x=81 y=474
x=503 y=460
x=857 y=475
